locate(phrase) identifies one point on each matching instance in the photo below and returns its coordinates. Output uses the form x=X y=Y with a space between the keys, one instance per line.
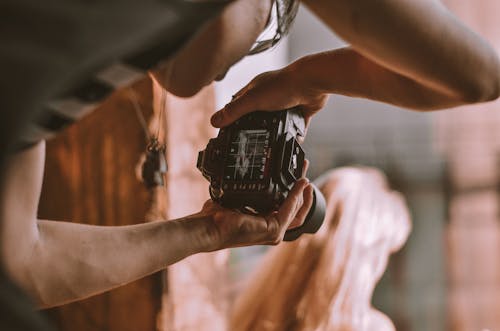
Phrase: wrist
x=198 y=234
x=304 y=78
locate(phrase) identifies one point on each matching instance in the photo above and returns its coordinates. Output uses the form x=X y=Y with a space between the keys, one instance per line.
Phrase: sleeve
x=61 y=58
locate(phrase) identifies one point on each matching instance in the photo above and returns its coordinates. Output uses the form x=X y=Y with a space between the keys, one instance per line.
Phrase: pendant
x=154 y=167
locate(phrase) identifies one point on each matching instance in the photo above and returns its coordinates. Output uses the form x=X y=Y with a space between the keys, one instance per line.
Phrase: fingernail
x=216 y=118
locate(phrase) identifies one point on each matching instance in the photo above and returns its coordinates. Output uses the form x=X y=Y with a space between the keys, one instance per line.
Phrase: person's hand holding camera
x=272 y=91
x=226 y=228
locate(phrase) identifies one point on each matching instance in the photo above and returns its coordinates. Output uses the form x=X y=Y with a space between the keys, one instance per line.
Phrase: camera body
x=253 y=163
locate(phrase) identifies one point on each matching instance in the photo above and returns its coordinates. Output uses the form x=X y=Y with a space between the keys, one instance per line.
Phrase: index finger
x=232 y=111
x=305 y=168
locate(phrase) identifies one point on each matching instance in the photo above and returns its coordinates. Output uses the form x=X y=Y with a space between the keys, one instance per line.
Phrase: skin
x=92 y=259
x=60 y=262
x=402 y=52
x=217 y=47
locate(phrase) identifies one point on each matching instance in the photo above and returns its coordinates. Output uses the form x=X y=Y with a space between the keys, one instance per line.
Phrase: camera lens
x=314 y=218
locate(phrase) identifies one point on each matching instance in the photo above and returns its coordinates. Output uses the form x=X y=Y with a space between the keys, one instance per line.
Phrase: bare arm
x=59 y=262
x=420 y=40
x=414 y=54
x=344 y=71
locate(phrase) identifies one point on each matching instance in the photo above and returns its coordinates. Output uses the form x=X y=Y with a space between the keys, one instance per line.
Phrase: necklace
x=155 y=166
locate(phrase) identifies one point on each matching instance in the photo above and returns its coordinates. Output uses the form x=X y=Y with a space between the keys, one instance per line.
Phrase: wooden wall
x=90 y=177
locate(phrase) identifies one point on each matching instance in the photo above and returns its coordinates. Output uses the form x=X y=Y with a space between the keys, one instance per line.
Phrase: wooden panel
x=90 y=177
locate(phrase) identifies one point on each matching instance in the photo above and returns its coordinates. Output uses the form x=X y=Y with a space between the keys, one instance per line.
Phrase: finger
x=232 y=111
x=288 y=209
x=208 y=203
x=244 y=230
x=300 y=217
x=299 y=203
x=241 y=92
x=305 y=168
x=301 y=139
x=307 y=119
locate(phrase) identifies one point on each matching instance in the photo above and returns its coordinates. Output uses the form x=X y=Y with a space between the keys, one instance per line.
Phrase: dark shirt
x=16 y=311
x=59 y=58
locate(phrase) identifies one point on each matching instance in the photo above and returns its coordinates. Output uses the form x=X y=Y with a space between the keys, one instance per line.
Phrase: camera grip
x=314 y=218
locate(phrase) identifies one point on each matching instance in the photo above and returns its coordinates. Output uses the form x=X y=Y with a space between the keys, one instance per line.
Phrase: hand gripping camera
x=253 y=163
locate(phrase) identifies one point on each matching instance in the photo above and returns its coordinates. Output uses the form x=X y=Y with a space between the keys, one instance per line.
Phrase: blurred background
x=447 y=164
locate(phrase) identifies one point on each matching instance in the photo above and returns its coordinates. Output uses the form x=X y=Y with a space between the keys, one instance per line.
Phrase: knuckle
x=300 y=200
x=218 y=216
x=296 y=205
x=259 y=77
x=275 y=242
x=276 y=238
x=207 y=204
x=294 y=199
x=274 y=232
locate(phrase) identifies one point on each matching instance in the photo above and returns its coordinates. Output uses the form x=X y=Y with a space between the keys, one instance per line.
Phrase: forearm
x=58 y=262
x=344 y=71
x=420 y=40
x=71 y=261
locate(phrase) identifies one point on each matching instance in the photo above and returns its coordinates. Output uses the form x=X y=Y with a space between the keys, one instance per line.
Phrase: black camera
x=253 y=163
